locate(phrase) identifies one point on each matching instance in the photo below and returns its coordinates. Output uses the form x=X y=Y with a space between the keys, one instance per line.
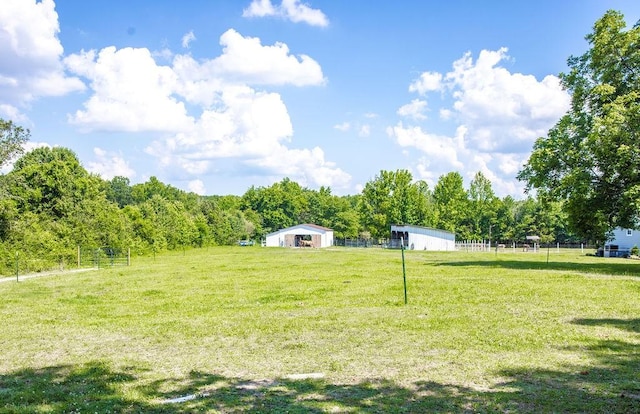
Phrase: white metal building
x=422 y=238
x=302 y=235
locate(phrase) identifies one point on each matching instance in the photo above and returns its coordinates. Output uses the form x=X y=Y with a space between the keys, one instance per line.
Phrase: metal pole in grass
x=404 y=273
x=17 y=268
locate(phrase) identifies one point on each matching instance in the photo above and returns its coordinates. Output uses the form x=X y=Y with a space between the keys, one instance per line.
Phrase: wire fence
x=82 y=258
x=360 y=242
x=100 y=257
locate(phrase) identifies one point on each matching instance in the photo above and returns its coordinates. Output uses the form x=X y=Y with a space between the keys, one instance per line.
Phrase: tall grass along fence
x=21 y=263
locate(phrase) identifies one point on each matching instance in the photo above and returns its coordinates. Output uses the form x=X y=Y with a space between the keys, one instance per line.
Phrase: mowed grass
x=233 y=328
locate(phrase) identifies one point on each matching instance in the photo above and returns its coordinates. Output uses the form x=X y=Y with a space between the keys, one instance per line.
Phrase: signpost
x=404 y=273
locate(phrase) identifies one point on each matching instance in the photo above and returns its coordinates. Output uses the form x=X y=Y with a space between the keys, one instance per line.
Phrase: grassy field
x=250 y=329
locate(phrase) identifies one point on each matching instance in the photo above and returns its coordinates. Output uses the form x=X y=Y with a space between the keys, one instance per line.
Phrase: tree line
x=49 y=204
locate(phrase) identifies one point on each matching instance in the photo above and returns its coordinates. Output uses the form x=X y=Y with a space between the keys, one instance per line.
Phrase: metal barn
x=302 y=235
x=422 y=238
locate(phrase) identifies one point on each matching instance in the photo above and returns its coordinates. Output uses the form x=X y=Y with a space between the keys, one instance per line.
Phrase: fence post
x=17 y=268
x=129 y=256
x=79 y=256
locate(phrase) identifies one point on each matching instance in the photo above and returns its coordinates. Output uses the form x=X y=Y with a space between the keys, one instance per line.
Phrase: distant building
x=422 y=238
x=302 y=235
x=622 y=242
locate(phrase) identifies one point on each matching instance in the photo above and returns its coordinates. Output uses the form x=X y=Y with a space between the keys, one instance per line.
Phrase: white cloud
x=307 y=167
x=197 y=186
x=245 y=59
x=443 y=150
x=445 y=114
x=163 y=54
x=11 y=112
x=197 y=82
x=292 y=10
x=30 y=53
x=247 y=123
x=130 y=92
x=247 y=128
x=260 y=8
x=109 y=165
x=505 y=112
x=427 y=82
x=187 y=39
x=502 y=110
x=361 y=127
x=344 y=127
x=498 y=114
x=364 y=131
x=415 y=110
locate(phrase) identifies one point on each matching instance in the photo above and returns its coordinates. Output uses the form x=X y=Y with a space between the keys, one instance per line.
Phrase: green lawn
x=231 y=327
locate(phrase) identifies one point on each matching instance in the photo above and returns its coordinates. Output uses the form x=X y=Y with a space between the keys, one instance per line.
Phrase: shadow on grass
x=88 y=388
x=631 y=325
x=609 y=384
x=629 y=268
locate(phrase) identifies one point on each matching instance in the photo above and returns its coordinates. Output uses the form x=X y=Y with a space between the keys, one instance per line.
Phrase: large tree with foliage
x=281 y=205
x=12 y=140
x=52 y=181
x=392 y=198
x=591 y=157
x=452 y=204
x=482 y=208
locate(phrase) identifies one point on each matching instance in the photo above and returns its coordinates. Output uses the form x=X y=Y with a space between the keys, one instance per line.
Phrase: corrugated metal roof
x=313 y=226
x=422 y=227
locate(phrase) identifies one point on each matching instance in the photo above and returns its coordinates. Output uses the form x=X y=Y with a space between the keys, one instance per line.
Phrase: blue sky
x=215 y=96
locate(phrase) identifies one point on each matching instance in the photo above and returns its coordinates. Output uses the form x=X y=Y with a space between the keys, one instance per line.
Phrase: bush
x=634 y=251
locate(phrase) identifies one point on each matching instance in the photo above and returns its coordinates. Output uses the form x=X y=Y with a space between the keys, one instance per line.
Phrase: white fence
x=486 y=246
x=473 y=246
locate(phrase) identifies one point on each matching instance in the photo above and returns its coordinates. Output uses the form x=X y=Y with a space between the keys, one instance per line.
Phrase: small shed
x=302 y=235
x=422 y=238
x=532 y=239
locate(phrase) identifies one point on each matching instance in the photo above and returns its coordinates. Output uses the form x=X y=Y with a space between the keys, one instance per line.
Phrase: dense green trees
x=50 y=204
x=51 y=181
x=482 y=210
x=590 y=158
x=451 y=202
x=393 y=198
x=56 y=205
